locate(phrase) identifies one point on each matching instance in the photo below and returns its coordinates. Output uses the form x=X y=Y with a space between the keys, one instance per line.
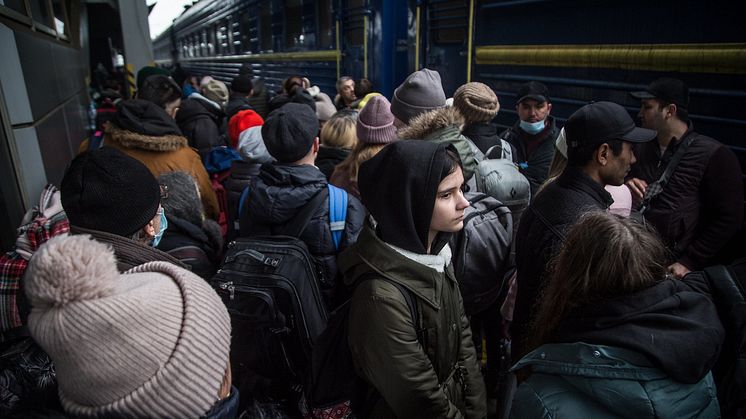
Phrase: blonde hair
x=361 y=153
x=339 y=132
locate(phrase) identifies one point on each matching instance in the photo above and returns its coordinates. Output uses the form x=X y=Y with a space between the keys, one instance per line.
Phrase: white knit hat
x=152 y=342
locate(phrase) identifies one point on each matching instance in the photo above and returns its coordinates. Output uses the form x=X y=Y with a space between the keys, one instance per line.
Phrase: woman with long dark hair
x=614 y=336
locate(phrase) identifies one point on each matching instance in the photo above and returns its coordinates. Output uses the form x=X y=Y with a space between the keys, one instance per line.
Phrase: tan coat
x=163 y=154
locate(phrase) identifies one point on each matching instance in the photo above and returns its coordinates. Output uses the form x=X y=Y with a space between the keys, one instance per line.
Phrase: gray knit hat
x=152 y=342
x=216 y=91
x=181 y=197
x=476 y=102
x=375 y=124
x=421 y=91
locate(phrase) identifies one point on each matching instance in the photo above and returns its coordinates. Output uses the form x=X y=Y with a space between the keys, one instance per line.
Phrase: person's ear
x=315 y=145
x=671 y=110
x=602 y=154
x=549 y=108
x=149 y=229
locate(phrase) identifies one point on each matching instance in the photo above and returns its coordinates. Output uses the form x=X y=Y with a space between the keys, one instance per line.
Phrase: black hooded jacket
x=236 y=104
x=201 y=122
x=412 y=171
x=196 y=246
x=674 y=323
x=328 y=158
x=145 y=118
x=279 y=192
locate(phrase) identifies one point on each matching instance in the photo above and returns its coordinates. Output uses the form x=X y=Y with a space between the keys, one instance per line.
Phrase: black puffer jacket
x=241 y=174
x=560 y=204
x=276 y=196
x=536 y=165
x=201 y=121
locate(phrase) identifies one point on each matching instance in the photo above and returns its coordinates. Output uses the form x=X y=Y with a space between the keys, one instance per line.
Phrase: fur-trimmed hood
x=129 y=139
x=443 y=125
x=145 y=125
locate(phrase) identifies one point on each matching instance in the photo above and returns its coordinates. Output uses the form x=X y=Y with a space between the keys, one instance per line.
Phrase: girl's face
x=448 y=212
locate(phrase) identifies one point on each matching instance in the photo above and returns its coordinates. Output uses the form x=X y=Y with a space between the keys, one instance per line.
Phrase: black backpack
x=332 y=388
x=270 y=285
x=483 y=257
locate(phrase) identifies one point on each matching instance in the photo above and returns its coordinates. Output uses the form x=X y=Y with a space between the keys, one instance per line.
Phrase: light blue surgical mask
x=164 y=226
x=532 y=128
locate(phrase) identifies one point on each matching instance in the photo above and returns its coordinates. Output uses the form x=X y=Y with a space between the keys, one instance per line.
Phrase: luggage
x=270 y=285
x=482 y=252
x=501 y=179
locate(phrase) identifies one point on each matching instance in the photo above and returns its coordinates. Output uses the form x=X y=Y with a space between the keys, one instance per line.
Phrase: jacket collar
x=372 y=255
x=480 y=129
x=574 y=178
x=128 y=252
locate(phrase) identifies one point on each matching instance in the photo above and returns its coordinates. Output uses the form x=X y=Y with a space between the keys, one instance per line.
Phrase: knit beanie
x=242 y=84
x=152 y=342
x=241 y=121
x=324 y=107
x=251 y=146
x=289 y=132
x=476 y=102
x=375 y=124
x=421 y=91
x=148 y=71
x=216 y=91
x=107 y=190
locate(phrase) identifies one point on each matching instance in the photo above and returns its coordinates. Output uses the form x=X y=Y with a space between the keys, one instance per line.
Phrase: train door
x=354 y=21
x=447 y=39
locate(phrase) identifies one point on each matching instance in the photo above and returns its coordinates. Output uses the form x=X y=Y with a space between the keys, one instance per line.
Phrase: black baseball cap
x=533 y=90
x=600 y=122
x=667 y=89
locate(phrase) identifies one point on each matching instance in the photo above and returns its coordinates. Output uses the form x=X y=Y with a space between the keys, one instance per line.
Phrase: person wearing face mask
x=115 y=199
x=533 y=136
x=411 y=366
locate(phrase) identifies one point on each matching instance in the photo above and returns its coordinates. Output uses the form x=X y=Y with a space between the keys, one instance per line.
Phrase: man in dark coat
x=534 y=135
x=701 y=206
x=241 y=90
x=600 y=139
x=283 y=188
x=201 y=118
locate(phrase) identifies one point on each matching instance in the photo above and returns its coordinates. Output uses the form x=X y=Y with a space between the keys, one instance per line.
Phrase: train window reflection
x=265 y=31
x=325 y=24
x=40 y=12
x=17 y=5
x=60 y=17
x=293 y=24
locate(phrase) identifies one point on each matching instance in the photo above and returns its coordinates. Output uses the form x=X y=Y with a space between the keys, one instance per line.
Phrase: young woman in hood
x=424 y=367
x=615 y=337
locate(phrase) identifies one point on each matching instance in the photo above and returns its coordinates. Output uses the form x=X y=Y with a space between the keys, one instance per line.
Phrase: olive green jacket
x=440 y=381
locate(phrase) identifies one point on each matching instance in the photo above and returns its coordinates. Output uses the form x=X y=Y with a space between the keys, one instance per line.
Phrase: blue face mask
x=532 y=128
x=164 y=226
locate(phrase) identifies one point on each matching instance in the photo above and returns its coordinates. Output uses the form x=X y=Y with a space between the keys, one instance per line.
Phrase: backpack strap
x=337 y=213
x=410 y=299
x=241 y=201
x=547 y=224
x=656 y=188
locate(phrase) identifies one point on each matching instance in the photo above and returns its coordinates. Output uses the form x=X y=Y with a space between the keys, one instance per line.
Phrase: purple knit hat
x=375 y=124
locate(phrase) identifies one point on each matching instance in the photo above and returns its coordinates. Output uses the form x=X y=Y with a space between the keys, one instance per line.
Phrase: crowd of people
x=608 y=305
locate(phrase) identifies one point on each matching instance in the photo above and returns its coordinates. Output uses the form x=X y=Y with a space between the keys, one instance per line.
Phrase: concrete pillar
x=138 y=48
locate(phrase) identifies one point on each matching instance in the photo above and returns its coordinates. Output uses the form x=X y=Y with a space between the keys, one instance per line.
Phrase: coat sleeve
x=387 y=354
x=353 y=222
x=722 y=209
x=475 y=393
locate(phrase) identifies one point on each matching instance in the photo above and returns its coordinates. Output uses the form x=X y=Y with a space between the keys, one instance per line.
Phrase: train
x=583 y=50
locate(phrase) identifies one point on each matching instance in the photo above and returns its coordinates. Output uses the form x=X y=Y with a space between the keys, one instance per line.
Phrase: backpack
x=482 y=252
x=501 y=179
x=332 y=389
x=270 y=285
x=218 y=164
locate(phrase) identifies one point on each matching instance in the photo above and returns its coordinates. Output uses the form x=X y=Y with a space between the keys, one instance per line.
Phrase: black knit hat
x=242 y=84
x=106 y=190
x=289 y=132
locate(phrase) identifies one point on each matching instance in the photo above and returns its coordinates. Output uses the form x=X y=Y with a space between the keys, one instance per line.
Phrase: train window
x=246 y=45
x=325 y=26
x=60 y=17
x=40 y=12
x=222 y=37
x=355 y=19
x=17 y=5
x=265 y=31
x=235 y=37
x=293 y=23
x=448 y=22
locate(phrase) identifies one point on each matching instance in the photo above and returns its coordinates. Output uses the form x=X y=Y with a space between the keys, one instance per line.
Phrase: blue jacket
x=578 y=380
